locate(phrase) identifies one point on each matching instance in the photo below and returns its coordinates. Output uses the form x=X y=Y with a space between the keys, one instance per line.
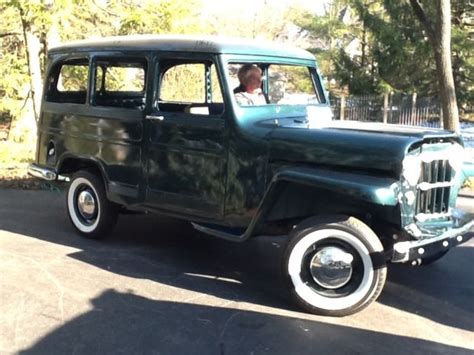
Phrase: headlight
x=456 y=157
x=412 y=169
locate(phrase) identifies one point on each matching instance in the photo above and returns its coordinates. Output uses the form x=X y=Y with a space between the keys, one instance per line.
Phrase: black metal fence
x=388 y=108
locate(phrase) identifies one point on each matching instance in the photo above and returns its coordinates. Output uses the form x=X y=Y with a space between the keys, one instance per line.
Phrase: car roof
x=177 y=43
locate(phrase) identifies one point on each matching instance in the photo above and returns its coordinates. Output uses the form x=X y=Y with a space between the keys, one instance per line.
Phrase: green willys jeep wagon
x=151 y=123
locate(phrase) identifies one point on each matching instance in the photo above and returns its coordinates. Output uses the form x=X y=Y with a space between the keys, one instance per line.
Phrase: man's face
x=255 y=81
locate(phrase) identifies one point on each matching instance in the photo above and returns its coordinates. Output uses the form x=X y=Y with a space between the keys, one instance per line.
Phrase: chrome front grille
x=434 y=187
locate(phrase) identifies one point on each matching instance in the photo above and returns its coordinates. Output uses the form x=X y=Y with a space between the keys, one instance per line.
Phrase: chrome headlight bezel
x=412 y=169
x=456 y=157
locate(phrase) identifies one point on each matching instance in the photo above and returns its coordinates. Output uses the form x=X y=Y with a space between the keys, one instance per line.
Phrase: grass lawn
x=14 y=160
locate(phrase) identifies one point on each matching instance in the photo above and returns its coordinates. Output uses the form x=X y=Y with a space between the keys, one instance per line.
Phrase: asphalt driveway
x=159 y=287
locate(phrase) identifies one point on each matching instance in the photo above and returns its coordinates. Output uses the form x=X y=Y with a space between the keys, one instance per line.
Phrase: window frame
x=112 y=57
x=52 y=79
x=162 y=76
x=172 y=59
x=309 y=72
x=265 y=64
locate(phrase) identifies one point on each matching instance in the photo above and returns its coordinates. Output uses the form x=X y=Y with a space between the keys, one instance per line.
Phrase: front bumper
x=415 y=250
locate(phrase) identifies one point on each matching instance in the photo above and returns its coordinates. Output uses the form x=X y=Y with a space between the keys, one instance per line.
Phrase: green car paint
x=236 y=172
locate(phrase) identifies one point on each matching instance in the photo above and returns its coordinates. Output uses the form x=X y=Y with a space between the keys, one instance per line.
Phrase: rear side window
x=68 y=81
x=73 y=78
x=131 y=79
x=120 y=82
x=184 y=83
x=192 y=88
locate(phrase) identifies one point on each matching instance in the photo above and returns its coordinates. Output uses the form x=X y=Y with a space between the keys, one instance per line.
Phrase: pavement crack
x=49 y=276
x=224 y=328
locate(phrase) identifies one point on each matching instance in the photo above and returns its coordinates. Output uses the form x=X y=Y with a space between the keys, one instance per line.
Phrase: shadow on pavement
x=140 y=325
x=438 y=291
x=171 y=252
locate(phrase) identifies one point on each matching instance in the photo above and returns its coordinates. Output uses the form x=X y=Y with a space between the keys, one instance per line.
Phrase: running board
x=221 y=234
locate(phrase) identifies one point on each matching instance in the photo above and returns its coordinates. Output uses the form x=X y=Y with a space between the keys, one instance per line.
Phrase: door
x=186 y=158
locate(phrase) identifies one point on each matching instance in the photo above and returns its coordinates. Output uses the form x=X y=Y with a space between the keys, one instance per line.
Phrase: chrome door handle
x=154 y=118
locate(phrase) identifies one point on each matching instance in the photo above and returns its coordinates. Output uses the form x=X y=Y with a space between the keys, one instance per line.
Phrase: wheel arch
x=70 y=164
x=297 y=194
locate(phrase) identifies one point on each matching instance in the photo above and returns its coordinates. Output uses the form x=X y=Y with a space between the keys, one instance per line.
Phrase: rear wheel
x=88 y=208
x=334 y=266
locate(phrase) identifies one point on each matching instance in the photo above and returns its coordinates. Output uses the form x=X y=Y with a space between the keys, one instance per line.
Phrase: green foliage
x=124 y=79
x=469 y=184
x=463 y=52
x=61 y=21
x=13 y=64
x=73 y=78
x=331 y=34
x=379 y=46
x=166 y=16
x=23 y=153
x=184 y=83
x=290 y=79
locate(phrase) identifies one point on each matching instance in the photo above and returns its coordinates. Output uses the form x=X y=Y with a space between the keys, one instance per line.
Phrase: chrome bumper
x=414 y=250
x=42 y=173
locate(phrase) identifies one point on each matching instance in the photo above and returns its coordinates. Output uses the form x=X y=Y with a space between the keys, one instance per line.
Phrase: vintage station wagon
x=151 y=123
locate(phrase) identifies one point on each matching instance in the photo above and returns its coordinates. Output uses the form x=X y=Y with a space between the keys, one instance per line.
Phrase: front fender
x=378 y=190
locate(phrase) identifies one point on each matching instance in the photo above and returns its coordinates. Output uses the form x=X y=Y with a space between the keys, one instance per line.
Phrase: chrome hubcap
x=331 y=267
x=86 y=204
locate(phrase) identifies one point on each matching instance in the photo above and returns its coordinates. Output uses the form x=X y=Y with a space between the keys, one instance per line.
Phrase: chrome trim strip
x=439 y=151
x=154 y=118
x=424 y=217
x=424 y=186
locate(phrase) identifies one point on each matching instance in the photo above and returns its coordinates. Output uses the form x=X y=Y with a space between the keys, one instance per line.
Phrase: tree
x=373 y=46
x=18 y=81
x=28 y=28
x=439 y=35
x=463 y=53
x=329 y=35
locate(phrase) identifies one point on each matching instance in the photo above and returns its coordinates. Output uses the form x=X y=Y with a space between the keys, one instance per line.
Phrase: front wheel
x=334 y=265
x=88 y=208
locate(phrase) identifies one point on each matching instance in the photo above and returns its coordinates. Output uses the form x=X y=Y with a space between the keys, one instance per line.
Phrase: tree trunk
x=440 y=38
x=364 y=44
x=444 y=67
x=33 y=49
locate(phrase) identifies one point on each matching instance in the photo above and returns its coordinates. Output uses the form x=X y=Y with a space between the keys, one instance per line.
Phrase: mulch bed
x=16 y=177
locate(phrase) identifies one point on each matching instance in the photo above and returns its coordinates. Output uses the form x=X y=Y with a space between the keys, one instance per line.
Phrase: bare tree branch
x=6 y=34
x=425 y=21
x=105 y=10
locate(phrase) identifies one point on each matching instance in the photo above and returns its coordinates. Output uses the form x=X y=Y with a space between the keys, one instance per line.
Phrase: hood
x=348 y=145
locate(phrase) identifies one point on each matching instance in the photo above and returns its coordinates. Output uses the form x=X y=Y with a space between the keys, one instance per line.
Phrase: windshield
x=258 y=84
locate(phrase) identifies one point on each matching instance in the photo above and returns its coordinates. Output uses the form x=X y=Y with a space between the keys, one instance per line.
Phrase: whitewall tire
x=88 y=208
x=334 y=265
